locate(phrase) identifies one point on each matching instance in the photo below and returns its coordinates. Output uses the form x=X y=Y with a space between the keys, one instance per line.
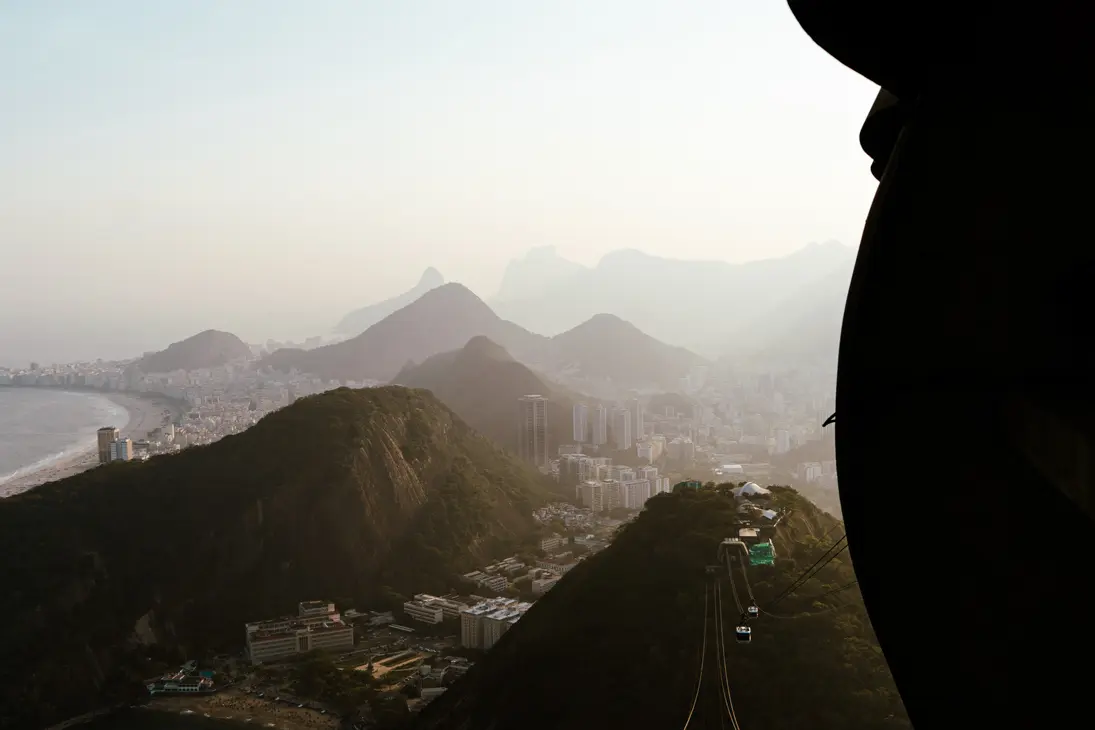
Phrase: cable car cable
x=748 y=588
x=813 y=572
x=733 y=586
x=802 y=582
x=703 y=656
x=720 y=657
x=816 y=598
x=807 y=573
x=728 y=700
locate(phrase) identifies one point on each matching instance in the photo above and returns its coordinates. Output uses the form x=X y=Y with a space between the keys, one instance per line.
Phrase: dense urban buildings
x=532 y=438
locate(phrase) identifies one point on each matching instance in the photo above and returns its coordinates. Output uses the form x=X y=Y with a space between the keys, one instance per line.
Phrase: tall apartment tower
x=107 y=436
x=121 y=450
x=621 y=428
x=600 y=426
x=581 y=418
x=532 y=430
x=636 y=409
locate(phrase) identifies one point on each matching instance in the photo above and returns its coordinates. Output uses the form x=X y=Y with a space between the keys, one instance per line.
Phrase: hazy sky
x=265 y=166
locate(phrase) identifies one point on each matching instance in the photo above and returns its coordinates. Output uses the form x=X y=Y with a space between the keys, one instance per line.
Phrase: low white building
x=543 y=585
x=449 y=607
x=427 y=613
x=550 y=544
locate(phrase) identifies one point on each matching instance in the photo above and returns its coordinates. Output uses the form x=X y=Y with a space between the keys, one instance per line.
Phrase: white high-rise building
x=636 y=409
x=532 y=430
x=783 y=441
x=600 y=426
x=621 y=428
x=592 y=495
x=635 y=493
x=581 y=418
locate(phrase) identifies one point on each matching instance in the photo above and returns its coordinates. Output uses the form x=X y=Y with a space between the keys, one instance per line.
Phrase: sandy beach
x=145 y=414
x=234 y=705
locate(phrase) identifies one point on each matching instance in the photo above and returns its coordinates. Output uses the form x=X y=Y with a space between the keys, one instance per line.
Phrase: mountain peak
x=362 y=319
x=431 y=279
x=207 y=349
x=453 y=293
x=483 y=346
x=540 y=270
x=606 y=322
x=441 y=320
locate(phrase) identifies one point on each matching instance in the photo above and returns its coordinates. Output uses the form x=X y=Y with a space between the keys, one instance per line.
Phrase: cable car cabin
x=743 y=633
x=763 y=553
x=752 y=612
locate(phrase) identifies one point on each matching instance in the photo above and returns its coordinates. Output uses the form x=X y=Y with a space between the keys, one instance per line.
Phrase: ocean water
x=41 y=426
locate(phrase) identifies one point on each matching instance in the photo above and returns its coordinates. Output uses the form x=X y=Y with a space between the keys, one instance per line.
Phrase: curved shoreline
x=144 y=411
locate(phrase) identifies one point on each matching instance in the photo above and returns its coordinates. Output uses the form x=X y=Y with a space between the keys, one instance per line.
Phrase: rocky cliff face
x=339 y=495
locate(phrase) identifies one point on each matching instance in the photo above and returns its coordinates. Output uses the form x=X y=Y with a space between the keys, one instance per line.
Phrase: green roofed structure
x=762 y=553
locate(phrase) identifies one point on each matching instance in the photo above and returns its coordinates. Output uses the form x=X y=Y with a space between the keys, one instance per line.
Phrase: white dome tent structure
x=751 y=489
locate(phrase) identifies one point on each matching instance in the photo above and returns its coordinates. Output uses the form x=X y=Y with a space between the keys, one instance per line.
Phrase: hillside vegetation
x=617 y=642
x=352 y=493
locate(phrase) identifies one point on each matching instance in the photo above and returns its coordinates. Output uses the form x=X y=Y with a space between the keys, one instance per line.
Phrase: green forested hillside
x=344 y=494
x=616 y=643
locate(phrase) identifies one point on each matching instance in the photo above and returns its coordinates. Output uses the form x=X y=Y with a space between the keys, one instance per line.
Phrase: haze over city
x=262 y=168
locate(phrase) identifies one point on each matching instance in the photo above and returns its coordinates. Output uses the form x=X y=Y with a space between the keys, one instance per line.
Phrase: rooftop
x=293 y=628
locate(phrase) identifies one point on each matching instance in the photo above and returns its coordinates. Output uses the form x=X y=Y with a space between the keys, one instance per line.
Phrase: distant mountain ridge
x=679 y=302
x=801 y=329
x=441 y=320
x=536 y=273
x=371 y=494
x=362 y=319
x=444 y=320
x=606 y=346
x=208 y=349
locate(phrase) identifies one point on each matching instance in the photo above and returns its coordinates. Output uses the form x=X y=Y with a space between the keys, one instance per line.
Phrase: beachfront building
x=121 y=450
x=265 y=645
x=106 y=436
x=317 y=626
x=180 y=684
